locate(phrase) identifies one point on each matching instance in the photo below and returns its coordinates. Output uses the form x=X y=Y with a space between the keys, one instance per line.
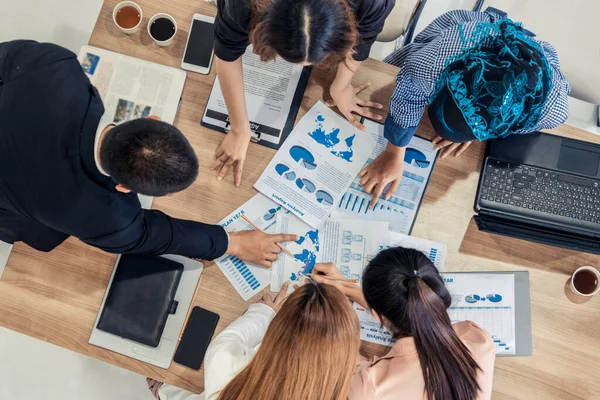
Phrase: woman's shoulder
x=474 y=337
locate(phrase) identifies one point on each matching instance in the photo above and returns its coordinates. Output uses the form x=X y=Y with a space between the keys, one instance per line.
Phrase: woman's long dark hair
x=320 y=32
x=405 y=287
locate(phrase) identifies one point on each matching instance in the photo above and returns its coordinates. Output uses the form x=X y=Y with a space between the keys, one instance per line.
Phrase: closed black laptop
x=543 y=188
x=140 y=298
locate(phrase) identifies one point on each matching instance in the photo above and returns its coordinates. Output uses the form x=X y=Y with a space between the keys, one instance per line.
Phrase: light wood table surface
x=55 y=296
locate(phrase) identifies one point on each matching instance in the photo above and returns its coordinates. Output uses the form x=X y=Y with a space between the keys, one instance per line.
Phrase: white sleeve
x=228 y=353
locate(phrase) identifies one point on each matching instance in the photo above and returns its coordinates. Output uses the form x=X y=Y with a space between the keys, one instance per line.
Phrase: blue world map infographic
x=309 y=247
x=332 y=141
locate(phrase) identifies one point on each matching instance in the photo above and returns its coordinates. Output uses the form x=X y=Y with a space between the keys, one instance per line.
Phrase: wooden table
x=55 y=296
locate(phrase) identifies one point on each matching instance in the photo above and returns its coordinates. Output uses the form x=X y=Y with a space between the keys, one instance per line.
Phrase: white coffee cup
x=135 y=29
x=591 y=270
x=162 y=42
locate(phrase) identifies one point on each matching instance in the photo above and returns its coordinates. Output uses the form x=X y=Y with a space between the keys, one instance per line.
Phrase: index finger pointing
x=284 y=237
x=237 y=173
x=376 y=195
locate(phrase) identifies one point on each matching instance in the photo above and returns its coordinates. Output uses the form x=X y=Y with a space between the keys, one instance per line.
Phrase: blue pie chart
x=472 y=298
x=416 y=158
x=324 y=198
x=303 y=157
x=305 y=185
x=494 y=298
x=269 y=215
x=285 y=171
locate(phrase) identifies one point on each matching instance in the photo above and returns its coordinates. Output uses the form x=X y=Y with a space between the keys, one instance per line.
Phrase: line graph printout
x=489 y=301
x=248 y=279
x=402 y=207
x=315 y=165
x=370 y=328
x=347 y=243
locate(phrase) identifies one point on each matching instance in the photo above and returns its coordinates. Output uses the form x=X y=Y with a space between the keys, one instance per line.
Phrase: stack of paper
x=316 y=165
x=313 y=174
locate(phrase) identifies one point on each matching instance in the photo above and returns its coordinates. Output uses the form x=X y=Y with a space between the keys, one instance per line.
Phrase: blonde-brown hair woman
x=303 y=348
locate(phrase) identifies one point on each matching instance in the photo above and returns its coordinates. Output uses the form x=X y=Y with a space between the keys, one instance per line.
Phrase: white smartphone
x=199 y=49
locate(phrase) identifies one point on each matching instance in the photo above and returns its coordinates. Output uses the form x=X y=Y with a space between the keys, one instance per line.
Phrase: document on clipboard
x=274 y=92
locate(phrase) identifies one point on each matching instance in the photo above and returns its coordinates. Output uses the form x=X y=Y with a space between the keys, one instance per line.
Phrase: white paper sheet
x=316 y=164
x=489 y=301
x=247 y=278
x=269 y=90
x=401 y=209
x=131 y=88
x=347 y=243
x=434 y=250
x=370 y=329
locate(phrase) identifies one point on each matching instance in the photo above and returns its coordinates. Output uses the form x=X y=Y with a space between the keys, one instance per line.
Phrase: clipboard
x=259 y=130
x=523 y=331
x=362 y=120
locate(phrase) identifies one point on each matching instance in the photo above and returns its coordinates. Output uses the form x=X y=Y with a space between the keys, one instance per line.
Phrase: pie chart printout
x=285 y=171
x=304 y=157
x=305 y=185
x=416 y=158
x=324 y=198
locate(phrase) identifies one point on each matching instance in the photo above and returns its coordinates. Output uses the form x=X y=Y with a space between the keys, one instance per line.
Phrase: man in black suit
x=64 y=175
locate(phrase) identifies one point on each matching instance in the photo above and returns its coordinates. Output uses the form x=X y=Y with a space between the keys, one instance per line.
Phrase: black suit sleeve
x=153 y=232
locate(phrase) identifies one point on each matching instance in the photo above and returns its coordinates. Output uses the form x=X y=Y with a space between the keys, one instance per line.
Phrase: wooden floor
x=55 y=296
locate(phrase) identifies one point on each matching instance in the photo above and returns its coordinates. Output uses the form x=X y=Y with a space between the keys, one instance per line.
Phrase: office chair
x=401 y=20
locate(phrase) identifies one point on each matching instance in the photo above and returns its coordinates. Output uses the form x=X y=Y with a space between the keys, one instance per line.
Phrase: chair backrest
x=398 y=20
x=572 y=28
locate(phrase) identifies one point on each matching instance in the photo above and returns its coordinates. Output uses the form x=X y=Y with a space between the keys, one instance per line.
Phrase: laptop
x=543 y=188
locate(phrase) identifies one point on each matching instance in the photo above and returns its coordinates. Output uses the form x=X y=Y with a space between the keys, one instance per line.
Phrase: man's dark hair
x=149 y=157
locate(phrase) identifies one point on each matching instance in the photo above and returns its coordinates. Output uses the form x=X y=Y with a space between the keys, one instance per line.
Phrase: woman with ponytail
x=330 y=33
x=431 y=359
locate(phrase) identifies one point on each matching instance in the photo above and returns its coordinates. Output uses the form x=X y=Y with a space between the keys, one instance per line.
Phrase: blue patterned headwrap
x=497 y=86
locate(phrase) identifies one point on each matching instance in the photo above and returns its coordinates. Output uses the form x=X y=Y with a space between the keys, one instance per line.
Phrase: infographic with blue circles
x=316 y=164
x=489 y=301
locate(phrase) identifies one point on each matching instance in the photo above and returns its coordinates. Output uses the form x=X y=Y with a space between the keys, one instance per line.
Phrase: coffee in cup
x=586 y=281
x=127 y=15
x=162 y=28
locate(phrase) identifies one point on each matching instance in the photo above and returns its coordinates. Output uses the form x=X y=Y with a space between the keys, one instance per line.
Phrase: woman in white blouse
x=302 y=348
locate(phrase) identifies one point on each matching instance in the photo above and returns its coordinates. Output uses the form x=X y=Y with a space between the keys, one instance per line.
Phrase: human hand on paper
x=346 y=99
x=275 y=303
x=329 y=273
x=386 y=168
x=257 y=247
x=441 y=143
x=232 y=153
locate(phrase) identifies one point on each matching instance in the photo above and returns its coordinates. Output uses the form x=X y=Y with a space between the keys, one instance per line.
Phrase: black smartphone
x=196 y=338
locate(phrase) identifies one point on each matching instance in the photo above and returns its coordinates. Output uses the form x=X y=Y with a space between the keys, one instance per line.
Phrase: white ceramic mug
x=135 y=29
x=592 y=270
x=170 y=18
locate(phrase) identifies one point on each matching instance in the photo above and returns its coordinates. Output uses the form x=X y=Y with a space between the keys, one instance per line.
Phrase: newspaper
x=131 y=88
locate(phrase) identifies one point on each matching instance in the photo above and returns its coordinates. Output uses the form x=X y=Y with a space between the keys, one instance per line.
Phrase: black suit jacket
x=50 y=187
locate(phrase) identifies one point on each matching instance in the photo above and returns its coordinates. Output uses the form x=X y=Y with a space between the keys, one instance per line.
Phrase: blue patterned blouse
x=422 y=62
